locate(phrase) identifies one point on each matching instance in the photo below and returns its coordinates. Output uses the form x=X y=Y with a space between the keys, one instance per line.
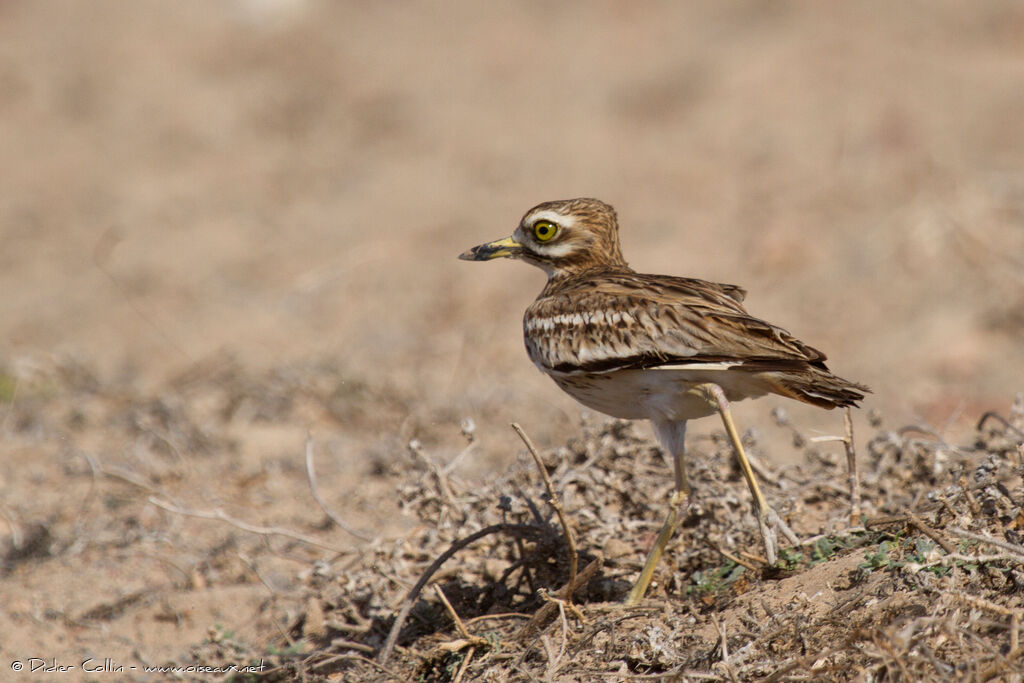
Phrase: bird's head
x=561 y=237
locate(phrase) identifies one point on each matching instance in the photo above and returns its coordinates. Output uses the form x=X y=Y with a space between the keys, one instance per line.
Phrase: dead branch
x=414 y=592
x=475 y=640
x=554 y=502
x=311 y=476
x=547 y=611
x=851 y=464
x=1015 y=550
x=222 y=516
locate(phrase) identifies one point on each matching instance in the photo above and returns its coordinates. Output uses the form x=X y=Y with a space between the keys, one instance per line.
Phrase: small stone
x=616 y=547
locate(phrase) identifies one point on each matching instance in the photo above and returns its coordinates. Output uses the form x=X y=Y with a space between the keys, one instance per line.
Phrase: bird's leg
x=767 y=518
x=671 y=436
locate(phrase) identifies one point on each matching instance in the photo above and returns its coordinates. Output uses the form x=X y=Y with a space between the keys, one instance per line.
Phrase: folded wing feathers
x=635 y=321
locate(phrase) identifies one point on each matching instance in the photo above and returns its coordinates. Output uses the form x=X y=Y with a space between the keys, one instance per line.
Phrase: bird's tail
x=817 y=386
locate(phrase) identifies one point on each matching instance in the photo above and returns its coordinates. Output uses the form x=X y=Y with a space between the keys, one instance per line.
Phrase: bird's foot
x=770 y=524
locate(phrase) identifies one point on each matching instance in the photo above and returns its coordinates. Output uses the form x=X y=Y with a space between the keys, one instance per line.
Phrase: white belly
x=658 y=394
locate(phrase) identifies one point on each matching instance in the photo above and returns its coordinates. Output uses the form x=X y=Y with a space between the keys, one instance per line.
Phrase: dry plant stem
x=14 y=525
x=851 y=463
x=779 y=674
x=410 y=599
x=502 y=615
x=850 y=531
x=465 y=665
x=753 y=557
x=127 y=477
x=951 y=559
x=222 y=516
x=358 y=658
x=971 y=502
x=555 y=660
x=882 y=644
x=342 y=644
x=883 y=521
x=247 y=561
x=454 y=462
x=311 y=475
x=1016 y=550
x=1000 y=668
x=443 y=487
x=738 y=560
x=455 y=618
x=563 y=605
x=553 y=500
x=992 y=415
x=931 y=533
x=720 y=627
x=982 y=603
x=853 y=477
x=547 y=611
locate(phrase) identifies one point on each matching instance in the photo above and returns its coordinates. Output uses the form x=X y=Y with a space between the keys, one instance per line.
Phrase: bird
x=657 y=347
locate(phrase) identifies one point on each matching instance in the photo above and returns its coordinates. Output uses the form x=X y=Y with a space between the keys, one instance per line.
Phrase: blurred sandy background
x=286 y=183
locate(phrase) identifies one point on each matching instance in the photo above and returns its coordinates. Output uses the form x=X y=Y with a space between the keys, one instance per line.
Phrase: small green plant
x=493 y=639
x=295 y=648
x=451 y=668
x=879 y=557
x=824 y=548
x=916 y=553
x=791 y=558
x=219 y=633
x=714 y=580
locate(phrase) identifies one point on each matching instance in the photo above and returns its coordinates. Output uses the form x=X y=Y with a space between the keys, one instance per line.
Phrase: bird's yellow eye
x=544 y=230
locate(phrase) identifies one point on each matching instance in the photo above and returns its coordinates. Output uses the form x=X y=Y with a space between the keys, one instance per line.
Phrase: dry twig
x=311 y=476
x=931 y=533
x=443 y=486
x=410 y=598
x=851 y=464
x=555 y=503
x=475 y=640
x=222 y=516
x=547 y=610
x=1015 y=550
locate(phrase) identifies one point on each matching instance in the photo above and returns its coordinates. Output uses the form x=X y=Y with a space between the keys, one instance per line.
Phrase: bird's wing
x=629 y=321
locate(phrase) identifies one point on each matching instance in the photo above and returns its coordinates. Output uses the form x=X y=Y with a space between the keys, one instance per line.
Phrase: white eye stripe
x=550 y=216
x=556 y=250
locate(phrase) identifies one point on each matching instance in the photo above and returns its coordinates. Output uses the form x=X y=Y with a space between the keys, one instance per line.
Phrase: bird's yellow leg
x=766 y=516
x=679 y=497
x=667 y=529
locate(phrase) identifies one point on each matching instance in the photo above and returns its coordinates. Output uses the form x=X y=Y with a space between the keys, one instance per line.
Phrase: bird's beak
x=503 y=248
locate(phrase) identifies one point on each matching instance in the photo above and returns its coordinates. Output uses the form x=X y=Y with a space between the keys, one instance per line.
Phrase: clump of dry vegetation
x=924 y=583
x=928 y=584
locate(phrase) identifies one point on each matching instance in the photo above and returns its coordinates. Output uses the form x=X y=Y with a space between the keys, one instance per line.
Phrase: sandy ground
x=225 y=225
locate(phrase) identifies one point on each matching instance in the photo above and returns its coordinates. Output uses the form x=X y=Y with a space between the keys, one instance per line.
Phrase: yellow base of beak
x=502 y=248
